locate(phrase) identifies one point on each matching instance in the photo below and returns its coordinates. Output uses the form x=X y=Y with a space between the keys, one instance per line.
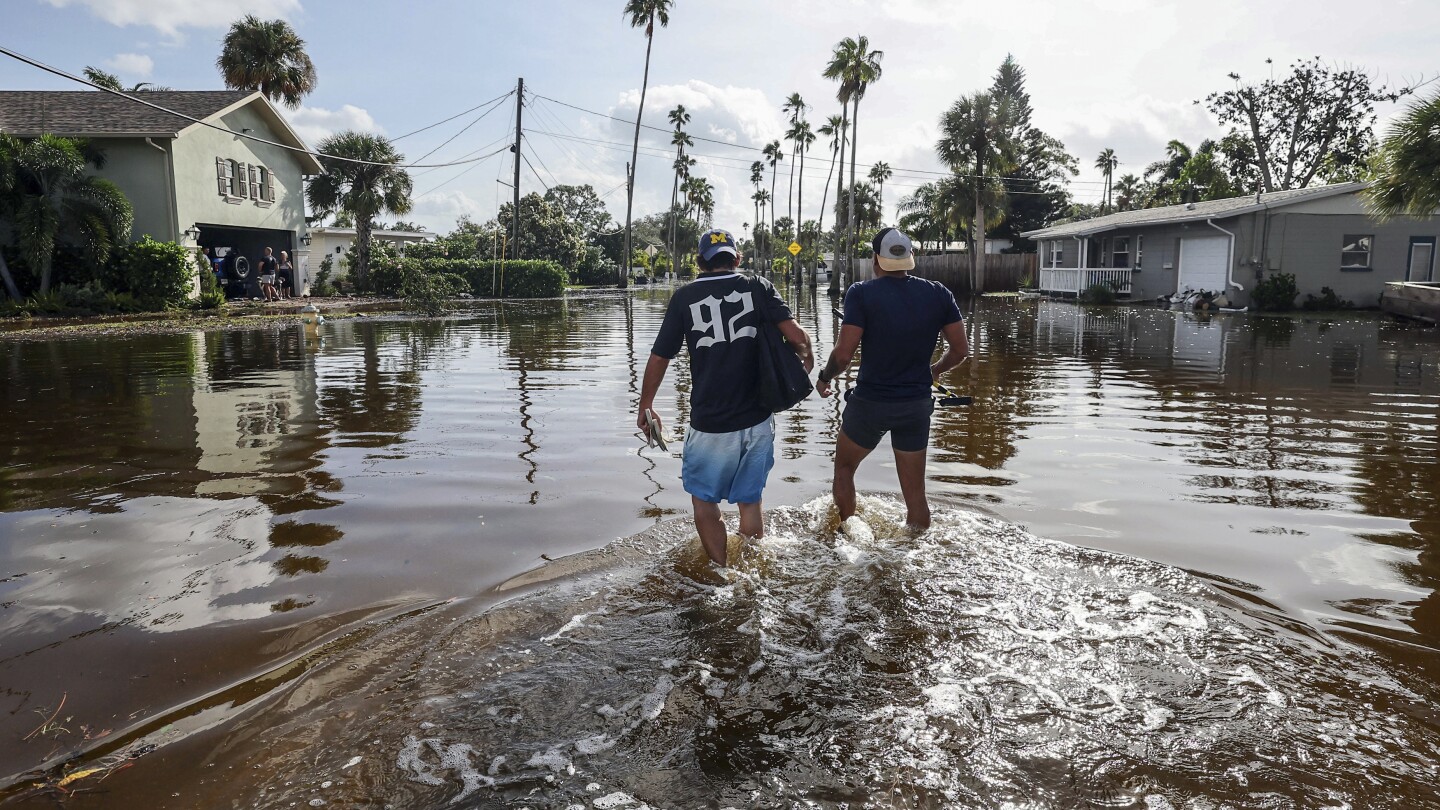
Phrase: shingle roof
x=1212 y=209
x=89 y=113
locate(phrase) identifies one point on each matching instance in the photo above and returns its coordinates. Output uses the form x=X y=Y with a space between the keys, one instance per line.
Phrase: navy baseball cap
x=716 y=242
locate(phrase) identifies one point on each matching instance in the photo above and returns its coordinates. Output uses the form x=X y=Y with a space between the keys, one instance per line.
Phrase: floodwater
x=1178 y=562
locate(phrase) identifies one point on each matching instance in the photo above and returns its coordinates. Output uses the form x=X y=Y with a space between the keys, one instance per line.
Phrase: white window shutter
x=255 y=183
x=222 y=181
x=269 y=186
x=242 y=188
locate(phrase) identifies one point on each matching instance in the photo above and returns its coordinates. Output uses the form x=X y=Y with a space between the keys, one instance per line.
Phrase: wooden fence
x=1003 y=271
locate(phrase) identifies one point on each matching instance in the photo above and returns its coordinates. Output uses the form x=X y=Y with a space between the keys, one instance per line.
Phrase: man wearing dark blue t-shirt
x=730 y=446
x=895 y=320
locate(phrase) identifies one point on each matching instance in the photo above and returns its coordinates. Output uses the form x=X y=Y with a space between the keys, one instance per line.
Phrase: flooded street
x=1178 y=561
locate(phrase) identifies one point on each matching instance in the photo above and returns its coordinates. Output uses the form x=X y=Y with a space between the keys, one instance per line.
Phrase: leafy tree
x=855 y=66
x=267 y=56
x=402 y=225
x=1407 y=167
x=50 y=200
x=642 y=14
x=977 y=138
x=582 y=206
x=1035 y=188
x=1106 y=163
x=1204 y=176
x=773 y=156
x=679 y=119
x=795 y=106
x=1165 y=174
x=361 y=190
x=1317 y=116
x=546 y=232
x=803 y=137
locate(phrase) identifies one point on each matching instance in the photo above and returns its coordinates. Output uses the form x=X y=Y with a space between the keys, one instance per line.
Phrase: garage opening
x=1202 y=263
x=239 y=251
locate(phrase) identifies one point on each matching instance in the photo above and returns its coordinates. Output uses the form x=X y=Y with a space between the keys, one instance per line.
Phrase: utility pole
x=515 y=215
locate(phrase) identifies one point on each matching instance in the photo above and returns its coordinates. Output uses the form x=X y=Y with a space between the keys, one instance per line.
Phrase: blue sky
x=1119 y=74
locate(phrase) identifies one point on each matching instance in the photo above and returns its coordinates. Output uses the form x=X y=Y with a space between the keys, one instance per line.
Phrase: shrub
x=1098 y=293
x=429 y=293
x=321 y=286
x=1328 y=300
x=158 y=274
x=211 y=296
x=595 y=268
x=533 y=279
x=1276 y=293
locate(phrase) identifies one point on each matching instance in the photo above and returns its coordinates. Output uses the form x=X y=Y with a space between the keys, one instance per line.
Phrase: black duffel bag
x=783 y=382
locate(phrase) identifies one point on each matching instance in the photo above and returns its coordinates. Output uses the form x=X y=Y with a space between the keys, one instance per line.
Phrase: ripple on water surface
x=971 y=666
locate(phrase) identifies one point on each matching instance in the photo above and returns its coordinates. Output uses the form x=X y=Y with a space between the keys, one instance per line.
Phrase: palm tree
x=269 y=57
x=1128 y=189
x=834 y=129
x=762 y=199
x=1407 y=167
x=856 y=67
x=678 y=119
x=774 y=156
x=361 y=190
x=879 y=173
x=757 y=179
x=48 y=197
x=976 y=138
x=110 y=81
x=803 y=137
x=1106 y=163
x=642 y=14
x=1166 y=173
x=796 y=107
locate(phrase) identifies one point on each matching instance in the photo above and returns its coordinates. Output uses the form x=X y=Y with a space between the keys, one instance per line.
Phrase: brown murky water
x=255 y=568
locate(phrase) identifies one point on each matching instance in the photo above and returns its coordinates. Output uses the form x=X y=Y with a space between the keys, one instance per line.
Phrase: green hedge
x=158 y=274
x=524 y=279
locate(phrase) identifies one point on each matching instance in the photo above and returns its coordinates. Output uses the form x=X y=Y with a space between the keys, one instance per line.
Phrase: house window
x=1121 y=255
x=1057 y=254
x=264 y=185
x=1139 y=250
x=1355 y=253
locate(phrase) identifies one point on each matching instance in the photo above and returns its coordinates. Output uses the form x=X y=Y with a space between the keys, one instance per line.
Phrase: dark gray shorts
x=908 y=423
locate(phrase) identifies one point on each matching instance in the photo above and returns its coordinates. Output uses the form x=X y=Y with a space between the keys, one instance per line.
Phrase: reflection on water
x=184 y=514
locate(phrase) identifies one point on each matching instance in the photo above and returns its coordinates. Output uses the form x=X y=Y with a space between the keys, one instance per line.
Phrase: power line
x=477 y=164
x=761 y=150
x=532 y=171
x=453 y=117
x=58 y=72
x=495 y=106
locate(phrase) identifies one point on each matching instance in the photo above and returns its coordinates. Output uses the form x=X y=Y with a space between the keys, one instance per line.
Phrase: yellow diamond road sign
x=794 y=248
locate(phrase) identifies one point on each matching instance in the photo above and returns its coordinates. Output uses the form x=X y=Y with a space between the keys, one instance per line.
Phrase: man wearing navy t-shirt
x=730 y=446
x=895 y=320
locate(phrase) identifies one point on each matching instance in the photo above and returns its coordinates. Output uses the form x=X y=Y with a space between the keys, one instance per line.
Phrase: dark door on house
x=1421 y=265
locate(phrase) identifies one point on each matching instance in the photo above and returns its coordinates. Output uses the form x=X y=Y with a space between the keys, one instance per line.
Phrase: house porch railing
x=1075 y=280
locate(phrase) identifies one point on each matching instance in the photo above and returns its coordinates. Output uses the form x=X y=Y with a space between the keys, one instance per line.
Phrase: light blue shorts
x=729 y=466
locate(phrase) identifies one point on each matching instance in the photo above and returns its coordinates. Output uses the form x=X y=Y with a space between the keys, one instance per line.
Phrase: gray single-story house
x=1323 y=235
x=188 y=182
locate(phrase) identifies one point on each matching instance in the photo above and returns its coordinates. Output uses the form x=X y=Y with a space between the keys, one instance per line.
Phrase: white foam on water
x=578 y=620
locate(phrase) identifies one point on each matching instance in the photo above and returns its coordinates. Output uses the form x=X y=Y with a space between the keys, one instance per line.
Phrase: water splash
x=972 y=665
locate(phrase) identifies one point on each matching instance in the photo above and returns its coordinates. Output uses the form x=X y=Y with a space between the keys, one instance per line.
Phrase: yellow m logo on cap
x=718 y=237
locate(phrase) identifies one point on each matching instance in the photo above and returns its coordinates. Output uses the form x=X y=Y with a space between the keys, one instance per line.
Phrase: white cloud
x=131 y=65
x=314 y=124
x=169 y=16
x=440 y=210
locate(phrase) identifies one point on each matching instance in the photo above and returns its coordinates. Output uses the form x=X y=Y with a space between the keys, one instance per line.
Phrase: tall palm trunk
x=977 y=251
x=800 y=206
x=363 y=225
x=635 y=155
x=850 y=206
x=675 y=215
x=790 y=197
x=770 y=243
x=839 y=190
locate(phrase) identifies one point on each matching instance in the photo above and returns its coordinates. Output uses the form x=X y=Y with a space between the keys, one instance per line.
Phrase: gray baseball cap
x=893 y=250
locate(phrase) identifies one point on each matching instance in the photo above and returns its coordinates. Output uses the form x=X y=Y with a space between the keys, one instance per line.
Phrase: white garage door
x=1202 y=263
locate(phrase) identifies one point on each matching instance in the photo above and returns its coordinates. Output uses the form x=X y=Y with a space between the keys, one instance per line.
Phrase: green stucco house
x=210 y=184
